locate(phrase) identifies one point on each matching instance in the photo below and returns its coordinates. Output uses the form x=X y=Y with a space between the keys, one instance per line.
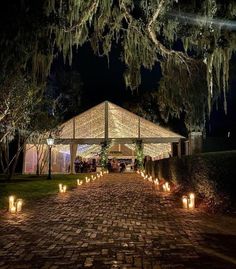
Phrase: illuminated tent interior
x=83 y=135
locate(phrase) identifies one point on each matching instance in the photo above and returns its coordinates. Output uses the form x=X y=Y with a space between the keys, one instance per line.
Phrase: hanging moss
x=146 y=31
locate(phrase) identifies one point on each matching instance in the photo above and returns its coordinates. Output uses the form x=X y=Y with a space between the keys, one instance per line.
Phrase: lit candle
x=157 y=181
x=164 y=187
x=60 y=188
x=191 y=200
x=13 y=209
x=167 y=186
x=11 y=202
x=64 y=188
x=19 y=203
x=79 y=182
x=185 y=202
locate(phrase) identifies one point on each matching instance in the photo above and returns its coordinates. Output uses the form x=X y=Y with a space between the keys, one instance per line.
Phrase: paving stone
x=120 y=221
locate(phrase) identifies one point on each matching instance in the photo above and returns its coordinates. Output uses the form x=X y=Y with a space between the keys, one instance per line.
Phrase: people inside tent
x=122 y=167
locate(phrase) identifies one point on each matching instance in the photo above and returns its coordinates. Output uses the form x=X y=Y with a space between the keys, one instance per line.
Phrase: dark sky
x=102 y=82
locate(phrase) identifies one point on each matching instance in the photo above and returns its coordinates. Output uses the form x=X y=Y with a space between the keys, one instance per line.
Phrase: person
x=109 y=166
x=122 y=167
x=76 y=163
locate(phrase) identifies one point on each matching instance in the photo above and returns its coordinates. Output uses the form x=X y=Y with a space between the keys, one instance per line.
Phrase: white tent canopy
x=116 y=125
x=106 y=122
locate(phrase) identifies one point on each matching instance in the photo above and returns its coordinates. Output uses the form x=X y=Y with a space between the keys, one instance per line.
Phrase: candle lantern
x=19 y=204
x=185 y=201
x=79 y=182
x=166 y=187
x=11 y=202
x=62 y=188
x=191 y=203
x=15 y=206
x=13 y=209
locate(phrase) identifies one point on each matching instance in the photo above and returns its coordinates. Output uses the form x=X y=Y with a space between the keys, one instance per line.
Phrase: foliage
x=69 y=87
x=210 y=175
x=180 y=35
x=104 y=154
x=139 y=153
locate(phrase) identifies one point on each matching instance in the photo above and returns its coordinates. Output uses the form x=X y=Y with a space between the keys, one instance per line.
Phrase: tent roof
x=108 y=121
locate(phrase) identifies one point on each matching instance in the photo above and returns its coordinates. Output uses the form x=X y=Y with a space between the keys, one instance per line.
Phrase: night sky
x=102 y=82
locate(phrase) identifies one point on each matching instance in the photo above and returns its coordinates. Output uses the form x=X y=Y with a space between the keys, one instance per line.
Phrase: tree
x=19 y=97
x=177 y=34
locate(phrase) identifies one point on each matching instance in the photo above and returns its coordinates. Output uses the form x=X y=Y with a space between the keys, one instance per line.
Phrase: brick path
x=117 y=222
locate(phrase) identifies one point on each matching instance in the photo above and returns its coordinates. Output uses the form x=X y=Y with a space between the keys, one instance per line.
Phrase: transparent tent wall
x=60 y=159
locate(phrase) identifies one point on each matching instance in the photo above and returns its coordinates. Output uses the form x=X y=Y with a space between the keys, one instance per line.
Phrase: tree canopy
x=193 y=41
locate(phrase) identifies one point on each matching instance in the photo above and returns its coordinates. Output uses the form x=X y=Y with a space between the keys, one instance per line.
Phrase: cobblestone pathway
x=117 y=222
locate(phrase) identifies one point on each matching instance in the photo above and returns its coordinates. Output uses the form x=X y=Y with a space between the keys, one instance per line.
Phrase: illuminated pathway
x=117 y=222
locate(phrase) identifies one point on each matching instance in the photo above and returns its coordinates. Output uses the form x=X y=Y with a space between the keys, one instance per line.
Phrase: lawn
x=31 y=187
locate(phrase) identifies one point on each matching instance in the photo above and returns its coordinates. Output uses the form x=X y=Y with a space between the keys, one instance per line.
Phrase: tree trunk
x=15 y=158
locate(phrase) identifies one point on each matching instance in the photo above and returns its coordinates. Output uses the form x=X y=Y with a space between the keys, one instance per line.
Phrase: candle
x=11 y=202
x=79 y=182
x=191 y=200
x=19 y=203
x=157 y=181
x=60 y=188
x=164 y=187
x=13 y=209
x=185 y=202
x=64 y=188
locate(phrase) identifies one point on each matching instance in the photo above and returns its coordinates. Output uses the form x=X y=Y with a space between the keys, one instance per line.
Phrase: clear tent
x=84 y=134
x=111 y=122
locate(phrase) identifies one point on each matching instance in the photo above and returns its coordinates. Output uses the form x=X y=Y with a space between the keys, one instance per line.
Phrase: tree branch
x=165 y=52
x=87 y=13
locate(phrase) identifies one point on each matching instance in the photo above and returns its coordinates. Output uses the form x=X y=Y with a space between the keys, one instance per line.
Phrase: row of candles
x=15 y=205
x=63 y=188
x=188 y=201
x=165 y=186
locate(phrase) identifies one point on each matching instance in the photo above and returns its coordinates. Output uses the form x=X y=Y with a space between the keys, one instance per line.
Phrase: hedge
x=212 y=176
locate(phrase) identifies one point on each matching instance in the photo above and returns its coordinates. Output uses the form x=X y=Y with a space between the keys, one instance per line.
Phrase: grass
x=31 y=187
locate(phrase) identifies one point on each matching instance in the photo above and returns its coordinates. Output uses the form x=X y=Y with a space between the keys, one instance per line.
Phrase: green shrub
x=212 y=176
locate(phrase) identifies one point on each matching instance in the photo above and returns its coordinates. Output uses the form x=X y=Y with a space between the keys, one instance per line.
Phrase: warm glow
x=191 y=201
x=11 y=202
x=166 y=187
x=79 y=182
x=15 y=206
x=185 y=202
x=19 y=204
x=62 y=188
